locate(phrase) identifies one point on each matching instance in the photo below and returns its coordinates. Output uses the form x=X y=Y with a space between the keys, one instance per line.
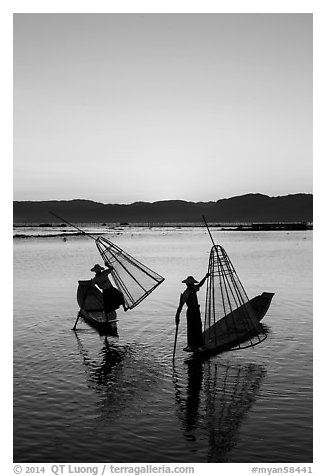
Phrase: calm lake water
x=80 y=398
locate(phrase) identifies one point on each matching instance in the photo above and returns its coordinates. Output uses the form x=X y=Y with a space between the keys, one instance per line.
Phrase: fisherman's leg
x=196 y=340
x=111 y=316
x=190 y=332
x=106 y=302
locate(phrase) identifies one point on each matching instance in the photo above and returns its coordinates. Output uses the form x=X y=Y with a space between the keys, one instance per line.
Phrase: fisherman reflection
x=213 y=403
x=195 y=378
x=194 y=325
x=100 y=372
x=112 y=297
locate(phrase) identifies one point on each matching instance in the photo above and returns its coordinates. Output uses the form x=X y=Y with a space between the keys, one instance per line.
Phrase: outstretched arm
x=107 y=264
x=107 y=271
x=203 y=280
x=124 y=305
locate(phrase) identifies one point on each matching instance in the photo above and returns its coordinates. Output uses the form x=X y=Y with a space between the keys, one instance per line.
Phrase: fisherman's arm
x=203 y=280
x=104 y=274
x=124 y=305
x=109 y=268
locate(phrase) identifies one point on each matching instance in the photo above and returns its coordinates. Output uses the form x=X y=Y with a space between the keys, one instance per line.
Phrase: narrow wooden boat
x=232 y=330
x=91 y=304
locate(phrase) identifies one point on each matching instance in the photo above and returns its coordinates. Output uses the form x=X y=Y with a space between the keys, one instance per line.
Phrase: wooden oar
x=175 y=340
x=176 y=332
x=78 y=315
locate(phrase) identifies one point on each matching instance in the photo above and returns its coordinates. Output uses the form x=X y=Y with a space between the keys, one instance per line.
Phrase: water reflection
x=103 y=371
x=120 y=375
x=212 y=400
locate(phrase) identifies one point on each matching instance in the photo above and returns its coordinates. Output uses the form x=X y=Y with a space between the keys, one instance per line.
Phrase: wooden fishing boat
x=91 y=304
x=98 y=321
x=232 y=330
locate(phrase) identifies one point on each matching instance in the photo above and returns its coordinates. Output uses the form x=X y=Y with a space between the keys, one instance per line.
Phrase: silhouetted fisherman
x=194 y=324
x=112 y=297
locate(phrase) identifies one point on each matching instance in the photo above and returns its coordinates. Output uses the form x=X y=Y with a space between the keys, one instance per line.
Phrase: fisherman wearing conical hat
x=112 y=297
x=194 y=324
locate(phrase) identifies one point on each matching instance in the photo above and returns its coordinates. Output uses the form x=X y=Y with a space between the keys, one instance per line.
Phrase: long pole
x=78 y=315
x=209 y=232
x=176 y=329
x=175 y=340
x=74 y=226
x=209 y=283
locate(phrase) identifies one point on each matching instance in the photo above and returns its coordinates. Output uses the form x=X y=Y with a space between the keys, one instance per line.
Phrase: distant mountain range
x=244 y=208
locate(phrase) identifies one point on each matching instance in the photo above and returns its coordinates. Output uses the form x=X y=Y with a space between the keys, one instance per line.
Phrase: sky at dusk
x=119 y=108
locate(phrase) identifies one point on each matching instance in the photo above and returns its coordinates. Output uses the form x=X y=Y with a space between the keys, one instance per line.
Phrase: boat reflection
x=212 y=400
x=119 y=374
x=103 y=370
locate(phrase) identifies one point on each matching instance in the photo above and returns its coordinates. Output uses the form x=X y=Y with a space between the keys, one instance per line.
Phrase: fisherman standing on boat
x=194 y=325
x=112 y=297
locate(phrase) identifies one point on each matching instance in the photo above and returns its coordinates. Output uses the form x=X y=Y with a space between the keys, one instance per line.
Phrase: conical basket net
x=135 y=280
x=230 y=320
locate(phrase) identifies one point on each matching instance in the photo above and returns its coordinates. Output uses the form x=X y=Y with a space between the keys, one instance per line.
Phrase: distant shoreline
x=249 y=208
